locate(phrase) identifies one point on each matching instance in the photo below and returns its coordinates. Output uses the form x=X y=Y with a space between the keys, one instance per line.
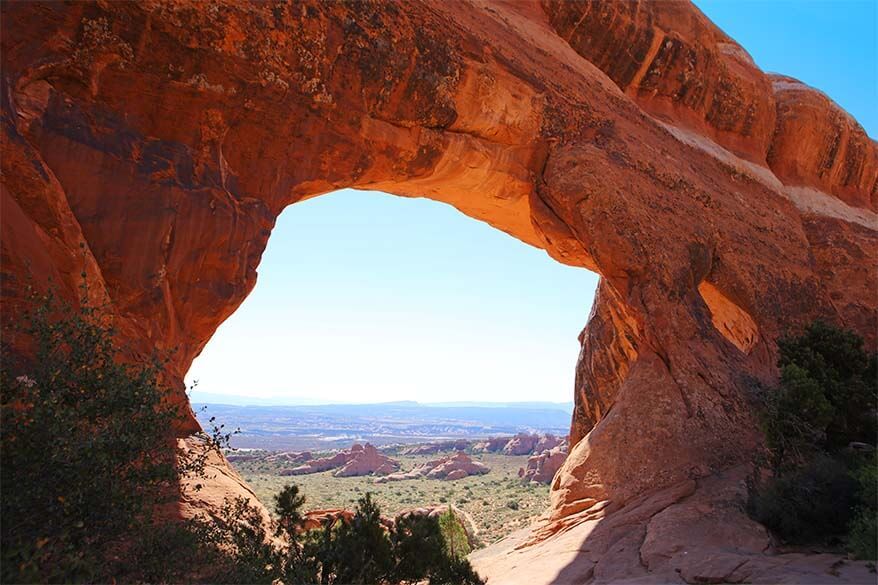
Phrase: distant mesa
x=449 y=468
x=358 y=460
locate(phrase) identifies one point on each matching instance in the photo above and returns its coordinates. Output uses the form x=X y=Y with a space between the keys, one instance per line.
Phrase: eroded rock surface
x=438 y=447
x=152 y=145
x=520 y=444
x=358 y=460
x=451 y=468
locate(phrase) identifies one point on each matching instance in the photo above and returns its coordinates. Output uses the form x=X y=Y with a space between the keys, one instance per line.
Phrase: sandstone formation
x=691 y=532
x=151 y=146
x=520 y=444
x=291 y=457
x=438 y=447
x=542 y=467
x=358 y=460
x=367 y=460
x=492 y=445
x=524 y=444
x=450 y=468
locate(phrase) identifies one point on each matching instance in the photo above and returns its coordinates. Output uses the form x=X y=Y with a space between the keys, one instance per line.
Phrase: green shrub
x=835 y=360
x=454 y=533
x=863 y=528
x=85 y=450
x=86 y=458
x=418 y=546
x=809 y=505
x=817 y=489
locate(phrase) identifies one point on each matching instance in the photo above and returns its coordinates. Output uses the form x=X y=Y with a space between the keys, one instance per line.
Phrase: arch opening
x=395 y=321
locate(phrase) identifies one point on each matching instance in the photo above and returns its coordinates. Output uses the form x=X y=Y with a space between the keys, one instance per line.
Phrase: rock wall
x=152 y=145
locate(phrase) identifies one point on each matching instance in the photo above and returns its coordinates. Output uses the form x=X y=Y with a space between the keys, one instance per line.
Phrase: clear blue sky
x=366 y=297
x=829 y=44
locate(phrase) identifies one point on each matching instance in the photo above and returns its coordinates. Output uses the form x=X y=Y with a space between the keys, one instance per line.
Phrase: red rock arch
x=722 y=207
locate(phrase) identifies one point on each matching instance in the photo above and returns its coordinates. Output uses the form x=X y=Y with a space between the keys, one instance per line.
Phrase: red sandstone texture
x=451 y=468
x=358 y=460
x=152 y=145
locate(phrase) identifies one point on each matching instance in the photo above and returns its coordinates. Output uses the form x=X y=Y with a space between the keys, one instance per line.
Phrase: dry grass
x=497 y=503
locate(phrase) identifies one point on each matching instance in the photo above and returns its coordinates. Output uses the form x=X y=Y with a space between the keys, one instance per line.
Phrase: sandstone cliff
x=151 y=146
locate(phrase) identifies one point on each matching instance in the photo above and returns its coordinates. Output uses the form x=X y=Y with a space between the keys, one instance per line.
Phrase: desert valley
x=423 y=456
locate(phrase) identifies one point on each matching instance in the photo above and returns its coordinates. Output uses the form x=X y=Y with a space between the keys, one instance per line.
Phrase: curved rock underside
x=152 y=145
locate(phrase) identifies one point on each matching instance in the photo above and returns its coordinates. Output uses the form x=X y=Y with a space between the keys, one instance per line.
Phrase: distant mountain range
x=325 y=426
x=199 y=397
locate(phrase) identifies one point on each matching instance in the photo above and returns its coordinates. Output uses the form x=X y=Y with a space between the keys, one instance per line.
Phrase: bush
x=834 y=359
x=87 y=458
x=818 y=490
x=86 y=454
x=808 y=505
x=863 y=528
x=454 y=534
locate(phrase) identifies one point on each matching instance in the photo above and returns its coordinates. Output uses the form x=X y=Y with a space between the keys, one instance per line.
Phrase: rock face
x=450 y=468
x=541 y=468
x=358 y=460
x=152 y=145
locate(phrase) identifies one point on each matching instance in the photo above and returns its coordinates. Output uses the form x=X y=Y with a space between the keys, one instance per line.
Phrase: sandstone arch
x=633 y=139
